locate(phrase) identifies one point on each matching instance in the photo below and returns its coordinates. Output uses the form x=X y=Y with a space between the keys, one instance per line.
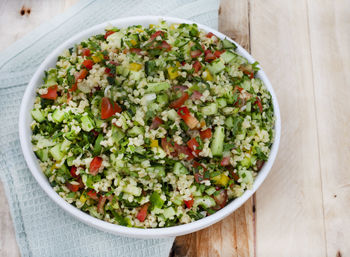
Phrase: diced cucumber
x=159 y=170
x=229 y=110
x=172 y=114
x=37 y=115
x=115 y=39
x=205 y=201
x=58 y=115
x=56 y=152
x=117 y=163
x=135 y=131
x=195 y=191
x=218 y=141
x=117 y=134
x=162 y=99
x=51 y=78
x=221 y=102
x=180 y=169
x=157 y=87
x=227 y=56
x=169 y=213
x=155 y=200
x=42 y=154
x=122 y=71
x=228 y=44
x=210 y=109
x=135 y=75
x=65 y=145
x=97 y=145
x=87 y=124
x=216 y=66
x=70 y=160
x=249 y=107
x=210 y=190
x=229 y=122
x=133 y=190
x=177 y=200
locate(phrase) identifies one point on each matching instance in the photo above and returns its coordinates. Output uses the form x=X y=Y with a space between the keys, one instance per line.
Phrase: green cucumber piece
x=58 y=115
x=227 y=44
x=169 y=213
x=97 y=145
x=157 y=87
x=37 y=115
x=135 y=131
x=210 y=109
x=227 y=56
x=56 y=152
x=216 y=66
x=210 y=190
x=43 y=154
x=180 y=169
x=205 y=201
x=87 y=124
x=221 y=102
x=217 y=144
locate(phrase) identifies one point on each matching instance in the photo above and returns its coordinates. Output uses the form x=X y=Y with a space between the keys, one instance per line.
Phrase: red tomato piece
x=156 y=34
x=135 y=50
x=108 y=33
x=73 y=171
x=156 y=123
x=196 y=95
x=209 y=35
x=72 y=187
x=258 y=103
x=205 y=133
x=217 y=53
x=165 y=46
x=238 y=88
x=88 y=64
x=259 y=164
x=81 y=74
x=85 y=52
x=225 y=161
x=209 y=56
x=141 y=216
x=108 y=108
x=190 y=121
x=182 y=149
x=198 y=177
x=197 y=66
x=179 y=88
x=179 y=102
x=189 y=203
x=101 y=204
x=107 y=70
x=92 y=194
x=196 y=53
x=167 y=146
x=95 y=165
x=221 y=199
x=193 y=145
x=51 y=93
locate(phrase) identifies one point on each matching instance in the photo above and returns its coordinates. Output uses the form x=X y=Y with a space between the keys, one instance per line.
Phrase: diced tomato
x=92 y=194
x=209 y=35
x=225 y=161
x=72 y=187
x=221 y=199
x=74 y=87
x=189 y=203
x=88 y=64
x=258 y=103
x=197 y=66
x=51 y=93
x=198 y=177
x=232 y=173
x=190 y=121
x=205 y=133
x=107 y=70
x=165 y=46
x=86 y=52
x=108 y=108
x=73 y=171
x=248 y=70
x=179 y=88
x=156 y=122
x=156 y=34
x=182 y=149
x=193 y=145
x=217 y=53
x=101 y=204
x=167 y=146
x=196 y=95
x=238 y=88
x=196 y=53
x=135 y=50
x=179 y=102
x=183 y=63
x=81 y=74
x=95 y=165
x=141 y=216
x=259 y=164
x=108 y=33
x=209 y=56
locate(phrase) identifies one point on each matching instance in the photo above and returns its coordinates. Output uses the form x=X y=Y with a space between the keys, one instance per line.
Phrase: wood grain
x=330 y=50
x=233 y=236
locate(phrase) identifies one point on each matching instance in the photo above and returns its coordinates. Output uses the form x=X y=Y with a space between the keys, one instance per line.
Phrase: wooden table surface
x=303 y=207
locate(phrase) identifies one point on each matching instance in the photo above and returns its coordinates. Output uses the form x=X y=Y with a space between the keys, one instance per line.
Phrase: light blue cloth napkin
x=42 y=228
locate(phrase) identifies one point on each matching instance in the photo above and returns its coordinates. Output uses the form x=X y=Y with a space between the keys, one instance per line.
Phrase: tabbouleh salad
x=152 y=126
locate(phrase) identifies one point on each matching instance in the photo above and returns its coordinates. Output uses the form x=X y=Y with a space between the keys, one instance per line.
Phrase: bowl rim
x=33 y=164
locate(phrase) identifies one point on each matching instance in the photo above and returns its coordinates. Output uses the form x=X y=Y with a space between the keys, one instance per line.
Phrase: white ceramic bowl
x=25 y=132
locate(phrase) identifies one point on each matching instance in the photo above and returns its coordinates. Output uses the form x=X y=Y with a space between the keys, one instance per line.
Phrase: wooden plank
x=234 y=236
x=289 y=208
x=329 y=23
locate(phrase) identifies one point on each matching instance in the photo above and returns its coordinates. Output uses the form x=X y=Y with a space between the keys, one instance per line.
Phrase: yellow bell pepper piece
x=208 y=75
x=172 y=26
x=135 y=66
x=172 y=73
x=221 y=179
x=140 y=30
x=97 y=57
x=154 y=143
x=55 y=166
x=133 y=42
x=83 y=198
x=151 y=26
